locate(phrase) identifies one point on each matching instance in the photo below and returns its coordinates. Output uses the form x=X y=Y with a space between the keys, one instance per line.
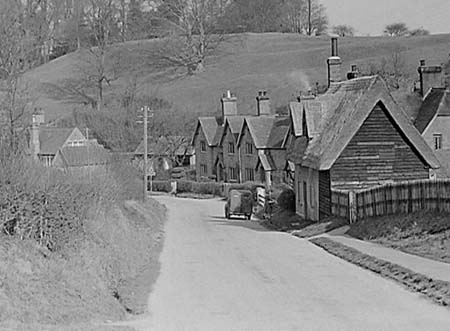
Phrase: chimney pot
x=334 y=46
x=262 y=103
x=422 y=63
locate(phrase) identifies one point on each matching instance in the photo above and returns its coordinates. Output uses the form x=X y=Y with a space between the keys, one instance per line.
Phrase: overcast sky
x=369 y=17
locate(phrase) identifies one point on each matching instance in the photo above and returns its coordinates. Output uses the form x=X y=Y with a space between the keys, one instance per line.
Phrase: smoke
x=300 y=79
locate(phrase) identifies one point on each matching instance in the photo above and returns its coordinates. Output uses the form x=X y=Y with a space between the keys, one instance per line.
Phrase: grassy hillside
x=281 y=63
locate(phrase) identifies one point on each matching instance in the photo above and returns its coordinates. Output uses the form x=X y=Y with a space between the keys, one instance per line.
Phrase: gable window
x=232 y=173
x=249 y=174
x=203 y=170
x=230 y=148
x=437 y=141
x=248 y=148
x=203 y=146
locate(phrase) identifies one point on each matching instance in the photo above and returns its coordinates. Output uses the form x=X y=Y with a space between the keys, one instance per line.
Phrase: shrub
x=50 y=206
x=286 y=200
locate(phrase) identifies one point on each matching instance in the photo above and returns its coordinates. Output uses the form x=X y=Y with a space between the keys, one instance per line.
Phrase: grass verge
x=426 y=234
x=436 y=290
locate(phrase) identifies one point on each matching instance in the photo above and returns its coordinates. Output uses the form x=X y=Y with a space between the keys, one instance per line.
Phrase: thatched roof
x=344 y=108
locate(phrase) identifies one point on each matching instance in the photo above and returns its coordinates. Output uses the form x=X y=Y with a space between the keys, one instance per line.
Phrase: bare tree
x=101 y=20
x=192 y=33
x=397 y=29
x=14 y=59
x=344 y=30
x=305 y=16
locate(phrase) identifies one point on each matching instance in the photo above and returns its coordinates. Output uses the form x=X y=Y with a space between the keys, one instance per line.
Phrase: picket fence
x=395 y=198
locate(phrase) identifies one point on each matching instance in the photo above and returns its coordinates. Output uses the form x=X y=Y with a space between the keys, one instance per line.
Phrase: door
x=305 y=199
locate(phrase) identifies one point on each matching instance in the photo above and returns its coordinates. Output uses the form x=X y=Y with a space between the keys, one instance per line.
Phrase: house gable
x=379 y=152
x=76 y=138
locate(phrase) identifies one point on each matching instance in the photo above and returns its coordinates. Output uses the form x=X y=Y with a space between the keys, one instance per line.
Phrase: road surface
x=218 y=274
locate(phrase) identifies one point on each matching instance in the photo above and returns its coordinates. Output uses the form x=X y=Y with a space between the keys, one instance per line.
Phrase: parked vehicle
x=239 y=203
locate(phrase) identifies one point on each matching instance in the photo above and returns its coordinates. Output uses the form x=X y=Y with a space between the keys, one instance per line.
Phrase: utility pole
x=145 y=109
x=309 y=18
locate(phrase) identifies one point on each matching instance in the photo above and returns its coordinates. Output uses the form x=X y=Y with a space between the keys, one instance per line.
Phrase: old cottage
x=262 y=153
x=359 y=138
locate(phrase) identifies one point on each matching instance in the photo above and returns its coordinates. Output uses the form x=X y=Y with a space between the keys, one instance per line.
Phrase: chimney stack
x=354 y=73
x=35 y=145
x=334 y=63
x=262 y=104
x=429 y=77
x=309 y=96
x=229 y=105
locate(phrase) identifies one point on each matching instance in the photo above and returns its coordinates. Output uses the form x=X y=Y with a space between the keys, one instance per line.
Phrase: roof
x=173 y=145
x=267 y=131
x=209 y=126
x=52 y=139
x=77 y=156
x=436 y=102
x=266 y=161
x=235 y=124
x=443 y=156
x=345 y=107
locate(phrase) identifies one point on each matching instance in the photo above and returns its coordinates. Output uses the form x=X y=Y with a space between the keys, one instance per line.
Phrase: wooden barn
x=358 y=137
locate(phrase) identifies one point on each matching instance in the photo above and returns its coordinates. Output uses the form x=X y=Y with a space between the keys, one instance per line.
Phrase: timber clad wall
x=378 y=153
x=203 y=158
x=324 y=194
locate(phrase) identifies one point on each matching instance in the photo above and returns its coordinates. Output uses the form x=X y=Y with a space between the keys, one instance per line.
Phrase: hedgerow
x=50 y=206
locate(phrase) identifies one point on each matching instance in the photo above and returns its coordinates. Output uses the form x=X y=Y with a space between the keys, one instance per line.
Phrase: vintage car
x=239 y=203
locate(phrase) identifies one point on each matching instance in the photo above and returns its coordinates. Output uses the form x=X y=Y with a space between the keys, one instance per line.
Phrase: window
x=231 y=148
x=203 y=169
x=203 y=146
x=249 y=174
x=248 y=148
x=232 y=173
x=437 y=141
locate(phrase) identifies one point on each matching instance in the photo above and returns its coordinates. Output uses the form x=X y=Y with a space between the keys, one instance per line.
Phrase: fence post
x=352 y=207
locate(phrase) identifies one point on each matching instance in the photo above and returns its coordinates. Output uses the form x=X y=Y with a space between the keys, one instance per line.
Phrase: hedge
x=213 y=188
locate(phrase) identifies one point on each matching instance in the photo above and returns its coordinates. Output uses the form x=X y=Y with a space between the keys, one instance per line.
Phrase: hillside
x=283 y=64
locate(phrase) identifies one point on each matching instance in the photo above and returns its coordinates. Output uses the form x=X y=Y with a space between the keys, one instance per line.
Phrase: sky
x=369 y=17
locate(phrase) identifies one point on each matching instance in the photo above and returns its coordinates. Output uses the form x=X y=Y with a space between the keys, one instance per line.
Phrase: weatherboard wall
x=377 y=154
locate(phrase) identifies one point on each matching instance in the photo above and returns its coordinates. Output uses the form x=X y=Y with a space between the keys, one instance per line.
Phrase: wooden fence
x=396 y=198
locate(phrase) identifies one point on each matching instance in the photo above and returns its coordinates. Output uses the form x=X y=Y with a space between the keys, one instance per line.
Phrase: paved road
x=233 y=275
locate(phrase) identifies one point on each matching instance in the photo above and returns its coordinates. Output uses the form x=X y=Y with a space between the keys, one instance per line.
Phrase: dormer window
x=437 y=141
x=248 y=148
x=230 y=148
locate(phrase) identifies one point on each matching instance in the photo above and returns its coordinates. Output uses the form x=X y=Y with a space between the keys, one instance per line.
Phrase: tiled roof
x=209 y=126
x=268 y=131
x=234 y=123
x=345 y=107
x=52 y=139
x=266 y=161
x=77 y=156
x=436 y=102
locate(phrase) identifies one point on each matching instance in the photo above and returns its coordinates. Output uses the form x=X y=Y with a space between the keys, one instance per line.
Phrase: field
x=283 y=64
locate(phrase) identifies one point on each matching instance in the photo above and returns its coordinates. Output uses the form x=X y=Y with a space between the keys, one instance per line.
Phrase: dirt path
x=234 y=275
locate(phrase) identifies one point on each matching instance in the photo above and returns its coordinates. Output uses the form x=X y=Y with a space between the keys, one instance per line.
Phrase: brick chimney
x=334 y=63
x=229 y=105
x=35 y=145
x=353 y=73
x=262 y=104
x=429 y=77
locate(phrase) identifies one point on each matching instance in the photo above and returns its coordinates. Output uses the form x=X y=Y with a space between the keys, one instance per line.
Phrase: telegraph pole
x=309 y=18
x=145 y=109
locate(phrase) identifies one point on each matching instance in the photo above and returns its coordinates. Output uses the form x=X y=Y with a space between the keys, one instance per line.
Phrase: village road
x=218 y=274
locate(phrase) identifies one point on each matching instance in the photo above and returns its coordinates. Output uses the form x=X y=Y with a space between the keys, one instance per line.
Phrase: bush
x=213 y=188
x=286 y=200
x=50 y=206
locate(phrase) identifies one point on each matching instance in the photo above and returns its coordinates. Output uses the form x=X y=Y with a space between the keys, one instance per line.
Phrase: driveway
x=219 y=274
